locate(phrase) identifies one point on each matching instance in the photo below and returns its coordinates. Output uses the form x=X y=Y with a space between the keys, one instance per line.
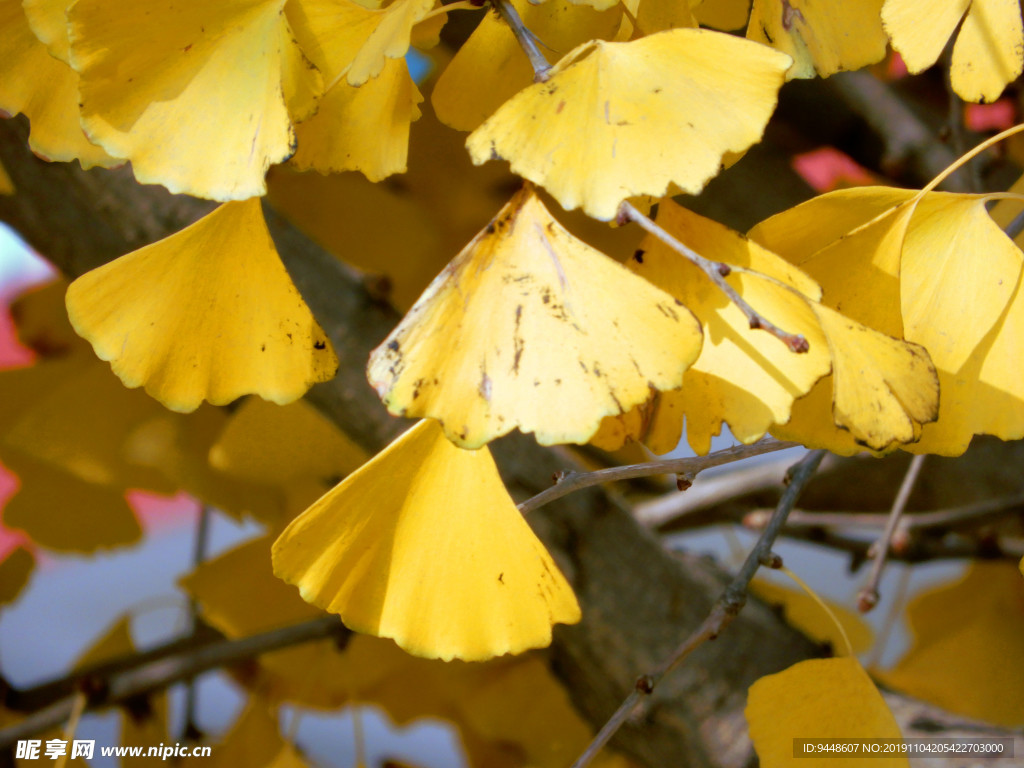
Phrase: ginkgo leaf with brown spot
x=530 y=328
x=743 y=377
x=156 y=77
x=882 y=389
x=989 y=50
x=208 y=313
x=945 y=277
x=818 y=699
x=617 y=120
x=822 y=37
x=424 y=545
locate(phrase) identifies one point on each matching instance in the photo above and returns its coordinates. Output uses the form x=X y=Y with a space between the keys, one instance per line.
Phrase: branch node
x=645 y=684
x=867 y=599
x=797 y=343
x=771 y=560
x=724 y=269
x=684 y=480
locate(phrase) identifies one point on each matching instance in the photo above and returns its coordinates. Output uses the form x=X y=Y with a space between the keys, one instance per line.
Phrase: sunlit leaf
x=191 y=91
x=989 y=50
x=818 y=699
x=208 y=313
x=364 y=129
x=15 y=571
x=935 y=270
x=966 y=654
x=491 y=67
x=622 y=119
x=822 y=37
x=743 y=377
x=530 y=327
x=424 y=545
x=45 y=89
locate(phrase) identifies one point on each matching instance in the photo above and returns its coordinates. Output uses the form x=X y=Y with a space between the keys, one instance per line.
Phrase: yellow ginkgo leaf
x=115 y=641
x=491 y=67
x=60 y=511
x=273 y=444
x=883 y=389
x=989 y=50
x=617 y=120
x=523 y=704
x=822 y=37
x=530 y=328
x=15 y=571
x=82 y=425
x=743 y=377
x=806 y=615
x=156 y=77
x=179 y=446
x=933 y=269
x=851 y=242
x=424 y=545
x=216 y=586
x=254 y=738
x=966 y=654
x=343 y=37
x=46 y=90
x=818 y=699
x=364 y=129
x=239 y=595
x=208 y=313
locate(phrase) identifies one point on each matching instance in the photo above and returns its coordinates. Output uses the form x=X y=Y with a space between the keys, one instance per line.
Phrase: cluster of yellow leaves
x=528 y=326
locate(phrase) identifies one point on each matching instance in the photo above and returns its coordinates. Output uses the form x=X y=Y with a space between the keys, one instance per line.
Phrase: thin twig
x=189 y=729
x=716 y=272
x=160 y=673
x=867 y=598
x=917 y=550
x=725 y=609
x=686 y=468
x=671 y=511
x=525 y=38
x=939 y=518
